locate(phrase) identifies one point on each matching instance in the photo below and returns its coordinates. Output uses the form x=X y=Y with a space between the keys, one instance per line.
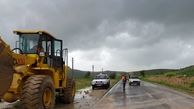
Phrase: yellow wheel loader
x=35 y=72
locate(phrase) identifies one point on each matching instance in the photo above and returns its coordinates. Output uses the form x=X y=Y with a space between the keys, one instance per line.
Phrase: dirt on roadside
x=84 y=99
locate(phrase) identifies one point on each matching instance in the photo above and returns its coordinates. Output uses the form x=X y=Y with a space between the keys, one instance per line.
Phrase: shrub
x=170 y=74
x=87 y=75
x=192 y=85
x=112 y=75
x=180 y=76
x=142 y=73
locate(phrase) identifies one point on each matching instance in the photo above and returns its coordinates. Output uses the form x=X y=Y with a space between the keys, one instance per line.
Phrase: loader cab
x=42 y=44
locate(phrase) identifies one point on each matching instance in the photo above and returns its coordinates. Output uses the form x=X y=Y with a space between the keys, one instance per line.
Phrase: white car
x=101 y=80
x=134 y=81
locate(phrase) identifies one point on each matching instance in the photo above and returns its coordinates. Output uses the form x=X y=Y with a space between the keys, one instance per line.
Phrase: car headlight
x=105 y=82
x=93 y=82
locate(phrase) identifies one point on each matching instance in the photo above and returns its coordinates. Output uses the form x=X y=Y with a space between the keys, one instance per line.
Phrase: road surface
x=146 y=96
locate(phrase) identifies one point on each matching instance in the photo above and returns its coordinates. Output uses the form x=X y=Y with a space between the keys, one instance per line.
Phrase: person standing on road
x=124 y=80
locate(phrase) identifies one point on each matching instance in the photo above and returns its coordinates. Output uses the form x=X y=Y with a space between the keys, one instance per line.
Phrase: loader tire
x=68 y=92
x=38 y=93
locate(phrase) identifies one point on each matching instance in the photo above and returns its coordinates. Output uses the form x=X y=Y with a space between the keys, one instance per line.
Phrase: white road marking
x=150 y=95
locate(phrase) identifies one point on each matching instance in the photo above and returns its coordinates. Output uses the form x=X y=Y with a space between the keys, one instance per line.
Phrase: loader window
x=28 y=42
x=49 y=47
x=57 y=48
x=44 y=46
x=57 y=54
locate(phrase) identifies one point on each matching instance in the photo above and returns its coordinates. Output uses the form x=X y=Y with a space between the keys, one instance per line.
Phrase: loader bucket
x=6 y=67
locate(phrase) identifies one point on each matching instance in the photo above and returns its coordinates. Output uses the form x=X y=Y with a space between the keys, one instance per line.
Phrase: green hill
x=81 y=74
x=77 y=73
x=188 y=71
x=180 y=79
x=153 y=71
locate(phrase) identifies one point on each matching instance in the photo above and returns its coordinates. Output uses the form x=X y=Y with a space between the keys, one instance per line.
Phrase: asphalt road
x=146 y=96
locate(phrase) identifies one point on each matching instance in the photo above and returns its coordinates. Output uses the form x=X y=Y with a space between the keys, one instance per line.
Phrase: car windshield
x=134 y=77
x=101 y=77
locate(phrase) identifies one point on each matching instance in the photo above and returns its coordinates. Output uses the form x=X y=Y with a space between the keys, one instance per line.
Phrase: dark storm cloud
x=145 y=32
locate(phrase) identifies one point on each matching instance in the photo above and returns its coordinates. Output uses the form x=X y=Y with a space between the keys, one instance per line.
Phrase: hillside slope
x=182 y=79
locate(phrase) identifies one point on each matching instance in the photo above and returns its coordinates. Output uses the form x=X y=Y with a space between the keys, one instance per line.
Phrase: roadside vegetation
x=85 y=81
x=182 y=79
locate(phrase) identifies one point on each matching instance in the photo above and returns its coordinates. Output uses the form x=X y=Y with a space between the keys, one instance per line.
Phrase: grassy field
x=83 y=83
x=185 y=84
x=182 y=79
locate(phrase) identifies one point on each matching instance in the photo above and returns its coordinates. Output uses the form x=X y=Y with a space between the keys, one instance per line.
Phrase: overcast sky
x=110 y=34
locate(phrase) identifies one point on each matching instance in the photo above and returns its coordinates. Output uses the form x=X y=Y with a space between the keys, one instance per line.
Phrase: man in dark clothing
x=124 y=80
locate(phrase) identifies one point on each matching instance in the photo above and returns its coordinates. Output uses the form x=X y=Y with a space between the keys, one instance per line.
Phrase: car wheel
x=107 y=86
x=93 y=87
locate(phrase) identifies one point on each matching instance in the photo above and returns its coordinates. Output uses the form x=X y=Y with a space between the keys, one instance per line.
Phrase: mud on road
x=84 y=99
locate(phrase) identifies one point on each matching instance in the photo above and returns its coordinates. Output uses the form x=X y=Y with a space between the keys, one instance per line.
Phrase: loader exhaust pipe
x=6 y=67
